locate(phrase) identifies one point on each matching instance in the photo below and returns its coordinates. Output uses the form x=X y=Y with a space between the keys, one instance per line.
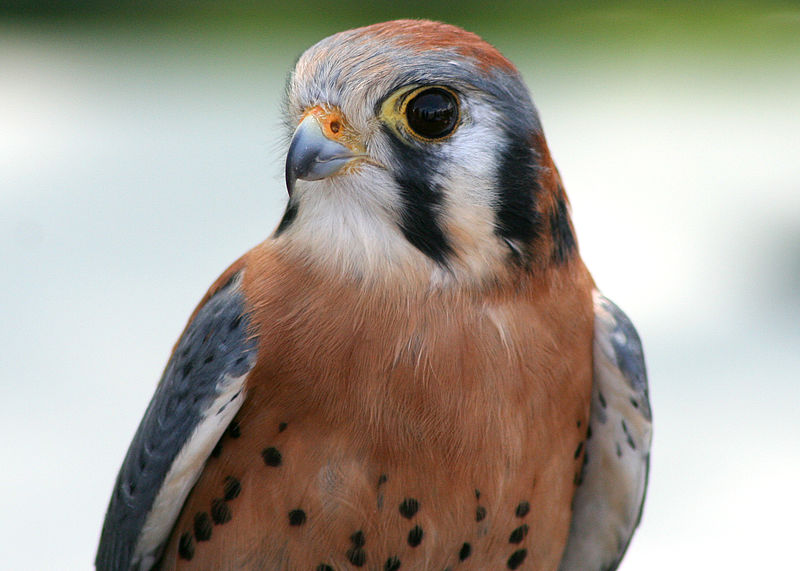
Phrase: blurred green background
x=141 y=152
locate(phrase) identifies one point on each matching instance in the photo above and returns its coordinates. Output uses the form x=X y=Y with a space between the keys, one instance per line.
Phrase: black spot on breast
x=217 y=449
x=297 y=517
x=561 y=232
x=619 y=450
x=522 y=509
x=323 y=567
x=518 y=534
x=271 y=456
x=517 y=558
x=480 y=513
x=282 y=426
x=232 y=488
x=358 y=539
x=589 y=432
x=464 y=552
x=409 y=507
x=202 y=526
x=220 y=511
x=357 y=556
x=477 y=494
x=634 y=402
x=578 y=450
x=392 y=564
x=234 y=430
x=288 y=217
x=186 y=546
x=602 y=399
x=415 y=536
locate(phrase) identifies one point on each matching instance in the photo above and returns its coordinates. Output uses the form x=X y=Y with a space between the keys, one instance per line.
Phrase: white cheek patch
x=471 y=191
x=349 y=223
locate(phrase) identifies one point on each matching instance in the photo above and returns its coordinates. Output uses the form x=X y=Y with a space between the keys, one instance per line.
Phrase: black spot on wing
x=561 y=231
x=415 y=169
x=518 y=186
x=190 y=384
x=629 y=354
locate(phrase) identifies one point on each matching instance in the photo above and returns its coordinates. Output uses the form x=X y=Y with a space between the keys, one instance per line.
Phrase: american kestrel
x=415 y=370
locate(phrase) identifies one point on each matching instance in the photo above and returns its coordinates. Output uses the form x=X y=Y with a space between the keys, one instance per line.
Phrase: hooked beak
x=313 y=155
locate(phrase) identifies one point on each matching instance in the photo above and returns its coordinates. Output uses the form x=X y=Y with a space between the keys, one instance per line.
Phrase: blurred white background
x=136 y=164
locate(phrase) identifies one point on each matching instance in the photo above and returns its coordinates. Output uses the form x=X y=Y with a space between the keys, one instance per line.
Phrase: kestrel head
x=416 y=145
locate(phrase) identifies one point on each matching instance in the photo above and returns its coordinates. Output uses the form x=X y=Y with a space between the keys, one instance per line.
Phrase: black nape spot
x=356 y=556
x=323 y=567
x=297 y=517
x=518 y=534
x=220 y=511
x=480 y=513
x=392 y=564
x=234 y=430
x=409 y=507
x=288 y=217
x=232 y=488
x=235 y=322
x=271 y=456
x=358 y=539
x=602 y=399
x=522 y=509
x=187 y=368
x=578 y=450
x=208 y=359
x=517 y=558
x=465 y=551
x=282 y=427
x=186 y=546
x=202 y=526
x=415 y=536
x=382 y=479
x=561 y=232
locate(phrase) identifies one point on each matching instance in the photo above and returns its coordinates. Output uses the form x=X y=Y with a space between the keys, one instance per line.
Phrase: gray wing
x=608 y=502
x=201 y=390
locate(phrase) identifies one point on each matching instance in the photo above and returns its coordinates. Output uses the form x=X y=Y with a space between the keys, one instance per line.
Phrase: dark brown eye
x=432 y=113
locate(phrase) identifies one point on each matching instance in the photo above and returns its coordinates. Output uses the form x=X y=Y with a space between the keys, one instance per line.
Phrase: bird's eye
x=432 y=113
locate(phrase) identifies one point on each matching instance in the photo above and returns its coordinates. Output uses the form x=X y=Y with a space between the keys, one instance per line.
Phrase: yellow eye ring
x=427 y=113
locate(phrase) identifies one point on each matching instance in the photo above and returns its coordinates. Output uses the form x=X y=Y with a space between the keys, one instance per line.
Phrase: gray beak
x=312 y=155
